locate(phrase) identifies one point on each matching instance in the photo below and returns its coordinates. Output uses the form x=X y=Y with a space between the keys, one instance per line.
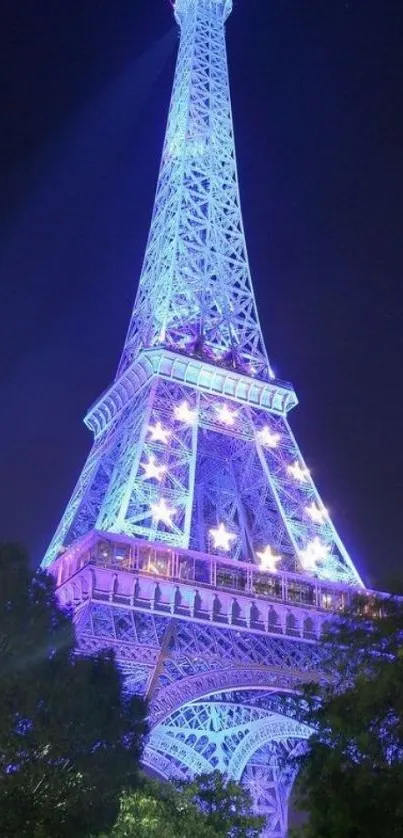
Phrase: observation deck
x=155 y=578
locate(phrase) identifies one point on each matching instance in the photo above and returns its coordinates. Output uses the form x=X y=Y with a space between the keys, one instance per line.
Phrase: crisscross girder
x=195 y=291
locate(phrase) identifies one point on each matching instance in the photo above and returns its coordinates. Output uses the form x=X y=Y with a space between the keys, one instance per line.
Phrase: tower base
x=215 y=648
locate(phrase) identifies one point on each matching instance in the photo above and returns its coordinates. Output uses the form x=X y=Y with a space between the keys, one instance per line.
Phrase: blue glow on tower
x=195 y=542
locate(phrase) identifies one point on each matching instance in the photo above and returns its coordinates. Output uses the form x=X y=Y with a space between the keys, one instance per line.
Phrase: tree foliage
x=351 y=778
x=69 y=740
x=207 y=807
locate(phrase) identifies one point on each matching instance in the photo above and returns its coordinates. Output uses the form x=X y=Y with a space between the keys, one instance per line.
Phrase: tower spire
x=195 y=292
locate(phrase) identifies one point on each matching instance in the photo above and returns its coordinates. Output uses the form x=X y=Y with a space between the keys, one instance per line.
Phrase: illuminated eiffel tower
x=195 y=543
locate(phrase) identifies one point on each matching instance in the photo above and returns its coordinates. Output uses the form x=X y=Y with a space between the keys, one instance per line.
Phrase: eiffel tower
x=195 y=543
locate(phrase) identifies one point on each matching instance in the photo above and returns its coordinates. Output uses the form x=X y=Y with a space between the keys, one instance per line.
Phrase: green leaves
x=351 y=779
x=70 y=743
x=69 y=740
x=207 y=807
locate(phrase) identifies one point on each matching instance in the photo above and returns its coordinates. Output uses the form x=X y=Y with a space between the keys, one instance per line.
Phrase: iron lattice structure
x=195 y=543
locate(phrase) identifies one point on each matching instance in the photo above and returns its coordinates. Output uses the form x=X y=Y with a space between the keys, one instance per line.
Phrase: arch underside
x=219 y=698
x=248 y=734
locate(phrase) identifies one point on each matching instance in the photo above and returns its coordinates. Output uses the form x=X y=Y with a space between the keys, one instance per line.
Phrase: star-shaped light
x=222 y=538
x=185 y=414
x=268 y=558
x=225 y=415
x=162 y=512
x=297 y=472
x=151 y=469
x=318 y=514
x=158 y=433
x=268 y=437
x=313 y=553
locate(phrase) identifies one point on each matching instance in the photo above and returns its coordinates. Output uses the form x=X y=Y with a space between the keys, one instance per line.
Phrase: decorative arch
x=166 y=744
x=247 y=741
x=214 y=681
x=275 y=728
x=269 y=776
x=161 y=765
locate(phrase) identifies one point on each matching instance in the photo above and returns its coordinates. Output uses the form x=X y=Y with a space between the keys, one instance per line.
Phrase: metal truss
x=195 y=292
x=269 y=777
x=218 y=698
x=246 y=742
x=198 y=660
x=226 y=734
x=210 y=465
x=195 y=544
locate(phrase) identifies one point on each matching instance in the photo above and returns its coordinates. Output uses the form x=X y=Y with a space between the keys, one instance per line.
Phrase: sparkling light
x=297 y=472
x=268 y=437
x=313 y=553
x=185 y=414
x=222 y=538
x=317 y=513
x=162 y=512
x=268 y=558
x=224 y=415
x=158 y=433
x=151 y=469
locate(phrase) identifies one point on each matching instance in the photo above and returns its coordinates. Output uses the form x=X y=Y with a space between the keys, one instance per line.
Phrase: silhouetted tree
x=351 y=780
x=70 y=740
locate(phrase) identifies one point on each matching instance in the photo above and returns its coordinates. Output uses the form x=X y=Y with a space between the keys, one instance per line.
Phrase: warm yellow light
x=318 y=514
x=162 y=512
x=225 y=415
x=269 y=559
x=185 y=414
x=222 y=538
x=313 y=553
x=158 y=433
x=151 y=469
x=297 y=472
x=268 y=438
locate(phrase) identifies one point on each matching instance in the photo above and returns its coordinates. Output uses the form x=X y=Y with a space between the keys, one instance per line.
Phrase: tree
x=351 y=778
x=69 y=739
x=207 y=807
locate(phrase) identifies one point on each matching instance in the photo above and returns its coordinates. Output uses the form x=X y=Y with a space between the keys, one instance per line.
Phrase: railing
x=192 y=568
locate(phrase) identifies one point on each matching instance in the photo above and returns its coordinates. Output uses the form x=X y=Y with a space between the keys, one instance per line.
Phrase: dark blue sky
x=317 y=100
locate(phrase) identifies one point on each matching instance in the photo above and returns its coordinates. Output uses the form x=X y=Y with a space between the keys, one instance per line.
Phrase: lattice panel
x=195 y=290
x=243 y=740
x=198 y=641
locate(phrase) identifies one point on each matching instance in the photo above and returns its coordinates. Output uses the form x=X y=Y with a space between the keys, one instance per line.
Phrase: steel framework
x=195 y=543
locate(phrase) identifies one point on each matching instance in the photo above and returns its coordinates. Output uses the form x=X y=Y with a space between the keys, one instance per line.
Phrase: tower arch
x=249 y=735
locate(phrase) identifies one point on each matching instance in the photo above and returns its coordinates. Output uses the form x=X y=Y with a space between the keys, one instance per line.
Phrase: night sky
x=317 y=100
